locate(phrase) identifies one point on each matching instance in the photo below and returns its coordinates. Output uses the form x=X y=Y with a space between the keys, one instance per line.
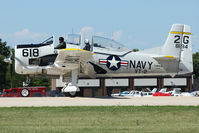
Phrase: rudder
x=178 y=44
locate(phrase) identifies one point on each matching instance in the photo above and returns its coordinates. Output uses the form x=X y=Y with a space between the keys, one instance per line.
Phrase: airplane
x=107 y=58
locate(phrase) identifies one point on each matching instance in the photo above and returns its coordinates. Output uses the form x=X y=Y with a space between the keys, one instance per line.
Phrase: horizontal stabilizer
x=166 y=58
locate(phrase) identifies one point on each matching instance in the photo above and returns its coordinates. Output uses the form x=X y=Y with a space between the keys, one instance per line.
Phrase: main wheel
x=25 y=93
x=72 y=94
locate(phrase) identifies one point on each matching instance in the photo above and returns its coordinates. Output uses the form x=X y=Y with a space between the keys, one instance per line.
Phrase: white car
x=129 y=93
x=124 y=93
x=135 y=93
x=177 y=92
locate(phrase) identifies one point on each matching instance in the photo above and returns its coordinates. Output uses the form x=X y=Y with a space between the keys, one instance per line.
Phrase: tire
x=72 y=94
x=25 y=93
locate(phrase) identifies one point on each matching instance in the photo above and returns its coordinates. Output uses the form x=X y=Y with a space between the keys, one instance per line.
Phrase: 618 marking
x=30 y=52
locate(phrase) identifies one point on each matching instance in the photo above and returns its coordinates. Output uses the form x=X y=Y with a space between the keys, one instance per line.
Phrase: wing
x=70 y=59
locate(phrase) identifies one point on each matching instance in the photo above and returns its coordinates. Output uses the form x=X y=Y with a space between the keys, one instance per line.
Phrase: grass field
x=121 y=119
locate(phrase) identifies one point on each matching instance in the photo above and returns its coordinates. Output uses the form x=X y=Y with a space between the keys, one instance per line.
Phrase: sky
x=138 y=24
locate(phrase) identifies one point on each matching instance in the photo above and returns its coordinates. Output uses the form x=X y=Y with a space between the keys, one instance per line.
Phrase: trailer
x=25 y=92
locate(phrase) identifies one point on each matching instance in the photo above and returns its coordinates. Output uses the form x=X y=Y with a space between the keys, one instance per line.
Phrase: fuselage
x=131 y=64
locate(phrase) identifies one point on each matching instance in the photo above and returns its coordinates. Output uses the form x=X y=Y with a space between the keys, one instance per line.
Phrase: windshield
x=48 y=41
x=177 y=91
x=74 y=39
x=106 y=43
x=125 y=92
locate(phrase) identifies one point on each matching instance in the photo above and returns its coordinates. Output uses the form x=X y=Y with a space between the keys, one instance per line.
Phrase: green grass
x=121 y=119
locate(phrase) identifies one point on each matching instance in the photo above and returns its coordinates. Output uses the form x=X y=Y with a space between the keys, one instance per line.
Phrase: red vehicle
x=161 y=94
x=25 y=92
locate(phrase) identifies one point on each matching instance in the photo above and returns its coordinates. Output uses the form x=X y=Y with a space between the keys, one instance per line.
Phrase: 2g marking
x=30 y=52
x=185 y=41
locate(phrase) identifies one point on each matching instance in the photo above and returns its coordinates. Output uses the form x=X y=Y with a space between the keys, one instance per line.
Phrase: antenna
x=112 y=35
x=83 y=37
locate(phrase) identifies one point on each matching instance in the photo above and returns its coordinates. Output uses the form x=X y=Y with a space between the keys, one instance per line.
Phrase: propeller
x=10 y=61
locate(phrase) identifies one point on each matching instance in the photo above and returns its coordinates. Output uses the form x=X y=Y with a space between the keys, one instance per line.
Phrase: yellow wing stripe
x=177 y=32
x=75 y=49
x=169 y=56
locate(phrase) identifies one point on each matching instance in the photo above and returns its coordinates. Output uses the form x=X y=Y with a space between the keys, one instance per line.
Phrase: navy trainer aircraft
x=107 y=58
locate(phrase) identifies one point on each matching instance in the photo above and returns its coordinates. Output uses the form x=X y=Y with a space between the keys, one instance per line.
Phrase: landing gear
x=72 y=88
x=70 y=94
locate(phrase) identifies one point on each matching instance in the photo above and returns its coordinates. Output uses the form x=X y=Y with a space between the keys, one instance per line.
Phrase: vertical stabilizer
x=178 y=44
x=174 y=39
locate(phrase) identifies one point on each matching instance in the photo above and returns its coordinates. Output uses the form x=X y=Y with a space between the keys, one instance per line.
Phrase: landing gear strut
x=72 y=88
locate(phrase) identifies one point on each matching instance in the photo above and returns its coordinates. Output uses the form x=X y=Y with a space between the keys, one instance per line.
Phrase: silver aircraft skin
x=107 y=58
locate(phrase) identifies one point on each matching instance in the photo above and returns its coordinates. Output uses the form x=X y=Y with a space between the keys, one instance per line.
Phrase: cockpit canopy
x=48 y=41
x=102 y=42
x=98 y=45
x=74 y=39
x=105 y=45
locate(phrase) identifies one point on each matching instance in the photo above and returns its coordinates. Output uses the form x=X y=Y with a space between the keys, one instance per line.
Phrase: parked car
x=135 y=93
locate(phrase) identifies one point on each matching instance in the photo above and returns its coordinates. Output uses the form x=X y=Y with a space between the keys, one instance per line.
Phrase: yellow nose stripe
x=75 y=49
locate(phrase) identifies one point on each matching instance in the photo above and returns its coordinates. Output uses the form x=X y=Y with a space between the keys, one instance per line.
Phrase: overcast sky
x=138 y=24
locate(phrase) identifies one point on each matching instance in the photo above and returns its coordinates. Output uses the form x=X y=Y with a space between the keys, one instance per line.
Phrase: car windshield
x=177 y=91
x=74 y=39
x=125 y=92
x=163 y=90
x=106 y=43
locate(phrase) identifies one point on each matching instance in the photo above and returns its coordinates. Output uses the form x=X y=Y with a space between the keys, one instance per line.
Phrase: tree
x=196 y=64
x=40 y=82
x=135 y=50
x=4 y=53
